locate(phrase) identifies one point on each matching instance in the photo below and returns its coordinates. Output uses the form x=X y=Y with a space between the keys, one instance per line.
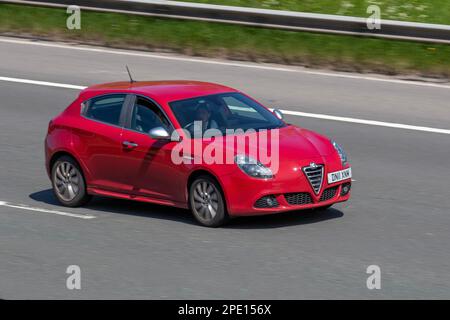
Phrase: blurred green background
x=344 y=53
x=432 y=11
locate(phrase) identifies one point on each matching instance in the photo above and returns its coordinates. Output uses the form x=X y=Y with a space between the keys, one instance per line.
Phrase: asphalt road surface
x=398 y=217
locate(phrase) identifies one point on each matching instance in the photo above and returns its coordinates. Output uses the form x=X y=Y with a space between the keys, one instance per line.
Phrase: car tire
x=68 y=182
x=206 y=202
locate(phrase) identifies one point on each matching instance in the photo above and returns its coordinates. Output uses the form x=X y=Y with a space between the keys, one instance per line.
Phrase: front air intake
x=299 y=198
x=314 y=173
x=328 y=194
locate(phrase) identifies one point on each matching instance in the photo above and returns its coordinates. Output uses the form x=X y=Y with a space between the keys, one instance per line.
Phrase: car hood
x=291 y=143
x=282 y=150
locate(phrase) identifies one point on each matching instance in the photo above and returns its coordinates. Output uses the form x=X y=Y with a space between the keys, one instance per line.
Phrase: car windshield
x=226 y=111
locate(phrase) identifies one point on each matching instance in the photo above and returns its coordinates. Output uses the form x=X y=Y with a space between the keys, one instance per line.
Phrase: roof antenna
x=129 y=74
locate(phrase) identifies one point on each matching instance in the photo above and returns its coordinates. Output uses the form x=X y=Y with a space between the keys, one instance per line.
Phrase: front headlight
x=341 y=153
x=253 y=167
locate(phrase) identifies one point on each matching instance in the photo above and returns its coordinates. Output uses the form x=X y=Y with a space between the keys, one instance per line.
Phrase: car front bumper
x=248 y=196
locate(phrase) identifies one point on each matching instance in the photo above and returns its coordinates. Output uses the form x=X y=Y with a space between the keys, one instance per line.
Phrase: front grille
x=314 y=173
x=266 y=202
x=295 y=199
x=328 y=194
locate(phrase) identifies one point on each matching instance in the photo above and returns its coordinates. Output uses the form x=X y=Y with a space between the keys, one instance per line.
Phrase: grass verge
x=430 y=11
x=344 y=53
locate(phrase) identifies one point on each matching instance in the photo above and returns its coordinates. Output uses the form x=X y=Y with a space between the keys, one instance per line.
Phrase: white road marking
x=61 y=213
x=367 y=122
x=42 y=83
x=222 y=63
x=290 y=112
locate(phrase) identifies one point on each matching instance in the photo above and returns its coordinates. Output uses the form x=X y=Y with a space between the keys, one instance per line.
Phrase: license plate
x=339 y=175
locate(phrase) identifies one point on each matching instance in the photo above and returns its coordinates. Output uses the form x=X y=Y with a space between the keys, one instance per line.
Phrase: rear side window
x=105 y=108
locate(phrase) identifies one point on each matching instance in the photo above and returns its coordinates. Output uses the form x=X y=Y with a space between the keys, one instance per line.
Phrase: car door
x=99 y=137
x=147 y=161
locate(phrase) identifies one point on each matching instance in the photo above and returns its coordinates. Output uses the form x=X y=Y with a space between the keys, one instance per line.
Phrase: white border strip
x=290 y=112
x=60 y=213
x=221 y=63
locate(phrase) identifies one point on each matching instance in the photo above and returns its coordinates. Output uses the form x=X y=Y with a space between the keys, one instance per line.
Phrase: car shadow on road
x=123 y=207
x=285 y=219
x=143 y=209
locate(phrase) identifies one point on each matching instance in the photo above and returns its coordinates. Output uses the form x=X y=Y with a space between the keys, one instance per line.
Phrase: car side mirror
x=278 y=114
x=159 y=133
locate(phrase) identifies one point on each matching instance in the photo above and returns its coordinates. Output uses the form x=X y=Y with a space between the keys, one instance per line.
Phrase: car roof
x=161 y=91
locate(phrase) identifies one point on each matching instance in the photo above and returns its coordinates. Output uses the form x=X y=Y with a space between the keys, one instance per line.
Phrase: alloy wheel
x=206 y=200
x=67 y=181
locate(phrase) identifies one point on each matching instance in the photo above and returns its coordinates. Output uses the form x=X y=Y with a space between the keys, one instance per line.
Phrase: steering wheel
x=190 y=127
x=187 y=127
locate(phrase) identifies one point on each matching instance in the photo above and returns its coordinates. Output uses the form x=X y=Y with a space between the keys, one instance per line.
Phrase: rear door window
x=107 y=109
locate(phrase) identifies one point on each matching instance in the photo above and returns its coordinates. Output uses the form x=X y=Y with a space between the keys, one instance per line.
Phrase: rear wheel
x=68 y=182
x=206 y=202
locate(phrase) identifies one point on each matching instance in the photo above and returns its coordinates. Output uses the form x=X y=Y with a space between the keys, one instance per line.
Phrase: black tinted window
x=147 y=116
x=106 y=108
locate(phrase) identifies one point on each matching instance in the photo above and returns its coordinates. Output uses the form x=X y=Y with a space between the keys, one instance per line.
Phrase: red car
x=147 y=141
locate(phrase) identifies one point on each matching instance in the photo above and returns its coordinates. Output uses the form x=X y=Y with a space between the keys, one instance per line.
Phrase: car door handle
x=129 y=144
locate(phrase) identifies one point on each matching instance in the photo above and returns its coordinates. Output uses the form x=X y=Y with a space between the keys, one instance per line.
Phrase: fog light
x=267 y=202
x=346 y=189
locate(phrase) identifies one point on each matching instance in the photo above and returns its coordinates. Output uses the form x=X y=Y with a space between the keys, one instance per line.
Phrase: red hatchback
x=190 y=144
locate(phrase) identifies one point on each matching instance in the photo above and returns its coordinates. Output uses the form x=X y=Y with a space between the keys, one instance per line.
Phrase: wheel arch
x=61 y=153
x=203 y=172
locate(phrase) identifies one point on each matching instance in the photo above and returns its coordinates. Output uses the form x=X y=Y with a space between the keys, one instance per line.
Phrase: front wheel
x=206 y=202
x=68 y=182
